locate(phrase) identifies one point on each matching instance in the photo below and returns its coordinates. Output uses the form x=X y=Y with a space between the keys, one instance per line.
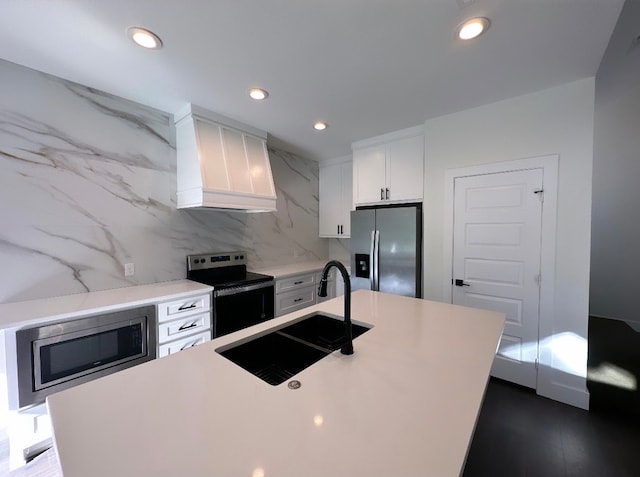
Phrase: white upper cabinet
x=335 y=198
x=389 y=168
x=370 y=176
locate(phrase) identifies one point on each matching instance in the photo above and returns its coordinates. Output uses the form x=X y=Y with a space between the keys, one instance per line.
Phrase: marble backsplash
x=339 y=250
x=88 y=182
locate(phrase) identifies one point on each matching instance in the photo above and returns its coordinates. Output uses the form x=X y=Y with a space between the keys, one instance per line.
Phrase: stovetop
x=222 y=270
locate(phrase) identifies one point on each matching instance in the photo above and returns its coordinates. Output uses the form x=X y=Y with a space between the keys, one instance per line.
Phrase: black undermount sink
x=282 y=353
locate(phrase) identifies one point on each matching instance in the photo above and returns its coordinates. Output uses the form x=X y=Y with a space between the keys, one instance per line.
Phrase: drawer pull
x=297 y=300
x=187 y=307
x=186 y=327
x=189 y=345
x=298 y=282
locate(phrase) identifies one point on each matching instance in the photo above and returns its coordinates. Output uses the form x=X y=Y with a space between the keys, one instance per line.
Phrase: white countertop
x=282 y=271
x=25 y=313
x=404 y=404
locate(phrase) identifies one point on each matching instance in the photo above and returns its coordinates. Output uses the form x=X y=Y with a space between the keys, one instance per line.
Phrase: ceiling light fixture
x=258 y=94
x=145 y=38
x=473 y=28
x=320 y=125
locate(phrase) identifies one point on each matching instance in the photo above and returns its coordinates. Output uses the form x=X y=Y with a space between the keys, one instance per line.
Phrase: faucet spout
x=347 y=348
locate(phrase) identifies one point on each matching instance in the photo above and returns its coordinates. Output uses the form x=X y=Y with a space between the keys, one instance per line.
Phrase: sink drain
x=294 y=384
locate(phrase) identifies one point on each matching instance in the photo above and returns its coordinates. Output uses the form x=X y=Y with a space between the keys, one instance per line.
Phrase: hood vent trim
x=222 y=163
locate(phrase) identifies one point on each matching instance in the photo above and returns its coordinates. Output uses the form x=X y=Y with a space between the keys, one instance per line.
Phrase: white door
x=496 y=261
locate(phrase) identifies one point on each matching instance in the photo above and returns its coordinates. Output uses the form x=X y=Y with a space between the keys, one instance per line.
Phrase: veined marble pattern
x=87 y=184
x=339 y=250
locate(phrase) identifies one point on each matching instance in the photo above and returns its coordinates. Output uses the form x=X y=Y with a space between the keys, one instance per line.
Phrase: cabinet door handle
x=387 y=194
x=381 y=193
x=338 y=227
x=341 y=231
x=187 y=307
x=186 y=327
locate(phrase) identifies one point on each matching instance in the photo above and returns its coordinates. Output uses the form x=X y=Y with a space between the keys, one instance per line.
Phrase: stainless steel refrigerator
x=386 y=249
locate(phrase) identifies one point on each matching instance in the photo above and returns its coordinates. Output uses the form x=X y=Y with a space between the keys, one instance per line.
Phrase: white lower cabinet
x=183 y=323
x=175 y=329
x=295 y=299
x=174 y=309
x=183 y=343
x=299 y=291
x=29 y=432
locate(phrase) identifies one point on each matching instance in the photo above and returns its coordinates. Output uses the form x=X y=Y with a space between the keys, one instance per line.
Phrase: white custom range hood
x=222 y=163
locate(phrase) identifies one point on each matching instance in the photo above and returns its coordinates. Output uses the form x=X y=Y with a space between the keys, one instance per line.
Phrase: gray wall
x=87 y=183
x=615 y=235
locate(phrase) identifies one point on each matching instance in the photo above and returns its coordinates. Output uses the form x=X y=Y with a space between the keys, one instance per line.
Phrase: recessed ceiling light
x=258 y=94
x=473 y=28
x=320 y=125
x=145 y=38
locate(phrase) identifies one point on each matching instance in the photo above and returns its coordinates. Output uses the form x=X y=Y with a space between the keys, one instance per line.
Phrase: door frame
x=549 y=166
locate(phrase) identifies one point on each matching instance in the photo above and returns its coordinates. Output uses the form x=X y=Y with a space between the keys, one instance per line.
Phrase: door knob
x=461 y=283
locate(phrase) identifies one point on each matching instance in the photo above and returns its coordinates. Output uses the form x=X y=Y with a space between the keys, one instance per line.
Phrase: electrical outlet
x=129 y=269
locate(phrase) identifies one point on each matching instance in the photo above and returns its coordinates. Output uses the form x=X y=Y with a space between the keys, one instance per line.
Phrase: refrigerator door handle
x=376 y=261
x=372 y=261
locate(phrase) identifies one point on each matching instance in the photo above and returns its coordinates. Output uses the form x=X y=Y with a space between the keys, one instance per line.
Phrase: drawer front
x=295 y=282
x=184 y=343
x=172 y=310
x=295 y=299
x=188 y=325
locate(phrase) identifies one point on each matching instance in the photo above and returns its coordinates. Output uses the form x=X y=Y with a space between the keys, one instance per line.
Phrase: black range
x=240 y=298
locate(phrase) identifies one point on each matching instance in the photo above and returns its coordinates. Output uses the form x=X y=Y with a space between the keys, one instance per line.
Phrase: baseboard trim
x=565 y=394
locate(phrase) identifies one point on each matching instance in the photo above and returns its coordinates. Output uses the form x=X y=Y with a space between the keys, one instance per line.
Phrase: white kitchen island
x=404 y=404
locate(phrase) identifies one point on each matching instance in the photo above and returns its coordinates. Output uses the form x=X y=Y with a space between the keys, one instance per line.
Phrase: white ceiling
x=367 y=67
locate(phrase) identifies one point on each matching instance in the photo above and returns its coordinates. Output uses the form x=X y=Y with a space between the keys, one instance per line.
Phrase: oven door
x=240 y=307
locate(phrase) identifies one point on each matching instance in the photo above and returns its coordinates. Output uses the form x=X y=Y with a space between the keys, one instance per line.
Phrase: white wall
x=554 y=121
x=615 y=248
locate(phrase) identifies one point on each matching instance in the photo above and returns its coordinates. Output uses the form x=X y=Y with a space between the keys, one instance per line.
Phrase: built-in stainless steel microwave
x=56 y=356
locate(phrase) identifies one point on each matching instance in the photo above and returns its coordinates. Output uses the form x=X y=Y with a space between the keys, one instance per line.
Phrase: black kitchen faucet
x=347 y=348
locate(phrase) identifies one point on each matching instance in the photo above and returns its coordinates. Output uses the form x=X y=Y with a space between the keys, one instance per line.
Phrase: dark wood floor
x=521 y=434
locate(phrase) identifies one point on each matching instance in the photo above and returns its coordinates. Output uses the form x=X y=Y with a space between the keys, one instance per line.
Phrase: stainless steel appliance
x=53 y=357
x=386 y=249
x=240 y=298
